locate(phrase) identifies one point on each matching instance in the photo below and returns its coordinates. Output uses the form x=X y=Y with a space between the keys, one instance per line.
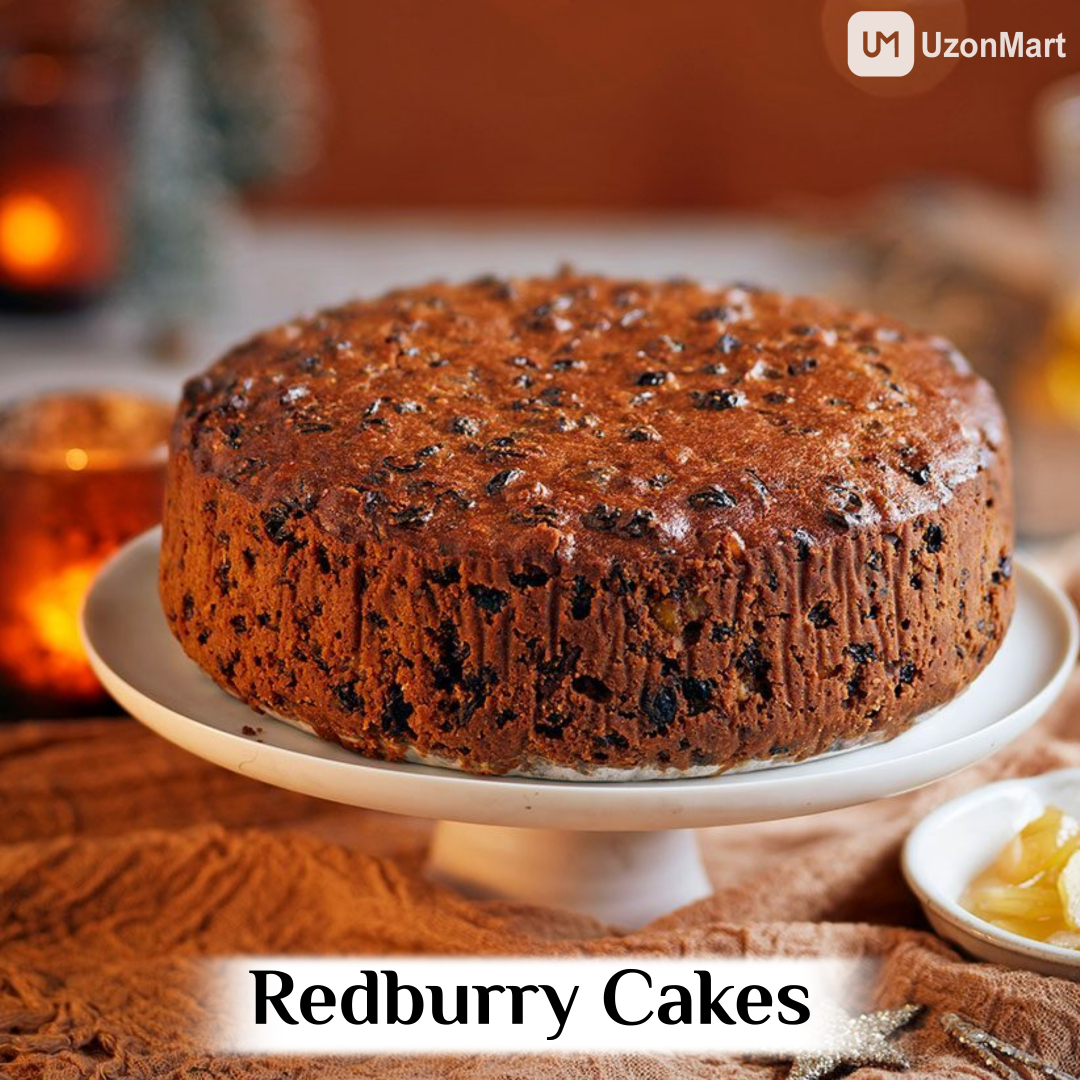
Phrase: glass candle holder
x=80 y=474
x=61 y=172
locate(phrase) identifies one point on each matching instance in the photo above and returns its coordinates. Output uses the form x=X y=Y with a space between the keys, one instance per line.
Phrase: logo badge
x=880 y=43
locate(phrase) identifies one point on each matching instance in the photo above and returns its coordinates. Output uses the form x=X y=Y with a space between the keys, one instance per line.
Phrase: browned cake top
x=570 y=414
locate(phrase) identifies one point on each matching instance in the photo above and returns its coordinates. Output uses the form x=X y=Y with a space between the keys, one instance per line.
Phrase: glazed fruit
x=1033 y=886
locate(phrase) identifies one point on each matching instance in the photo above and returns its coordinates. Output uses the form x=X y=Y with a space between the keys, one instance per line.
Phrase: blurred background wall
x=627 y=104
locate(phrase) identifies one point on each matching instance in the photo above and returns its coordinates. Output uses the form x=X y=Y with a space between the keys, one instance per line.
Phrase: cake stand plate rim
x=134 y=654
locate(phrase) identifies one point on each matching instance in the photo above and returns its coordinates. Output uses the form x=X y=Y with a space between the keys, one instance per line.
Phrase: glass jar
x=80 y=474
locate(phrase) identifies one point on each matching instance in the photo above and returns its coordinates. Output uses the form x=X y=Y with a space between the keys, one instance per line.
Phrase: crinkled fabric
x=125 y=862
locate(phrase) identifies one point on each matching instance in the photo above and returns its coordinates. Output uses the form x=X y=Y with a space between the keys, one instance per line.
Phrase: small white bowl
x=960 y=839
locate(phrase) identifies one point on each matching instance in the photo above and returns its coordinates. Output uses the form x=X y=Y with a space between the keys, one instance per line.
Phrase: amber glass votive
x=61 y=173
x=80 y=474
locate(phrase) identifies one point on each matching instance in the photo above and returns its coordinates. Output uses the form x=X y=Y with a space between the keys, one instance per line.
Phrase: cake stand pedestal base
x=622 y=878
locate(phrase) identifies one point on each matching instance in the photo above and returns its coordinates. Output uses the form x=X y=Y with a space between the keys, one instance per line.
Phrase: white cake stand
x=621 y=851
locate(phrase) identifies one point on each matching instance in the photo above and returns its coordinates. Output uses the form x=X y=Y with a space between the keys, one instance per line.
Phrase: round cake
x=578 y=527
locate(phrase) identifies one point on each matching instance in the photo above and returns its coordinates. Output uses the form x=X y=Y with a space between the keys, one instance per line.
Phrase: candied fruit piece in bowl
x=1032 y=888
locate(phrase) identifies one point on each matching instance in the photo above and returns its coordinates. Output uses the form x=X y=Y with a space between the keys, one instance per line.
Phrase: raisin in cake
x=583 y=527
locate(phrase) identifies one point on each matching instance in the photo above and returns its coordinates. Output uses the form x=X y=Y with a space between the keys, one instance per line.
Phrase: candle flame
x=53 y=606
x=76 y=459
x=32 y=234
x=44 y=652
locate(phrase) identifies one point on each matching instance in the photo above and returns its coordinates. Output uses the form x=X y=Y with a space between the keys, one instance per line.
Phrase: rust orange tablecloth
x=123 y=861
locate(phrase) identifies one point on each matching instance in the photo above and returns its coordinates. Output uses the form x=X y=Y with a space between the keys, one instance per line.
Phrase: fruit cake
x=578 y=527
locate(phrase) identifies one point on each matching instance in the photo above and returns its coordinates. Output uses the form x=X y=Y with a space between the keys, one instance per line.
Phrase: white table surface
x=275 y=268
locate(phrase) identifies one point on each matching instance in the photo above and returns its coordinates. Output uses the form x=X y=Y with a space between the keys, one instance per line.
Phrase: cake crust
x=587 y=524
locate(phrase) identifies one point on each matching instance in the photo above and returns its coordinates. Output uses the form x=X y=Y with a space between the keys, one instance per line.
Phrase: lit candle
x=79 y=475
x=60 y=173
x=34 y=238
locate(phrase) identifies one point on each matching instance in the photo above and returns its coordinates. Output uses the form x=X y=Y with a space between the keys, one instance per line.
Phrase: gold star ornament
x=856 y=1041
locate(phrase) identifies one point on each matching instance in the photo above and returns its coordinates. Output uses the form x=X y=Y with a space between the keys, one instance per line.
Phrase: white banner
x=427 y=1005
